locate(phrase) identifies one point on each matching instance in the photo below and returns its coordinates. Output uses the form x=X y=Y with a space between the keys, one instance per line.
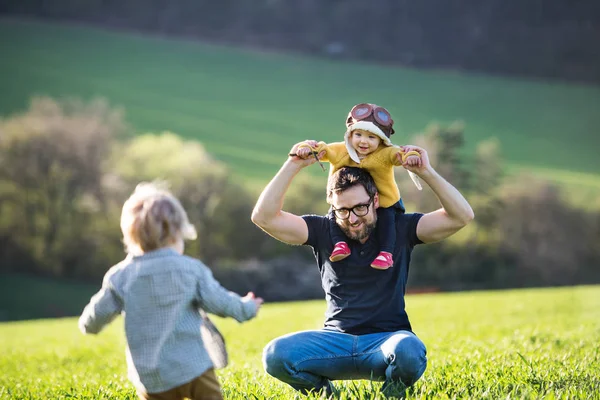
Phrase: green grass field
x=249 y=107
x=534 y=344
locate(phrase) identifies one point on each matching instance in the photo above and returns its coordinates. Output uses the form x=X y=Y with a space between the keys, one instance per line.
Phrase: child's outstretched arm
x=104 y=306
x=217 y=300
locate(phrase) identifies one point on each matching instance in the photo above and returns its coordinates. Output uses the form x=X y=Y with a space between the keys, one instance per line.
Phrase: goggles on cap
x=364 y=110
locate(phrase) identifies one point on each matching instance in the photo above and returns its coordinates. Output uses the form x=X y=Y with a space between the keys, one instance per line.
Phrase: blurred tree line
x=66 y=168
x=550 y=38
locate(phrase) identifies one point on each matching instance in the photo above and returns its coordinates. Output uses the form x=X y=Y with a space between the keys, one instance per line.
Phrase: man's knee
x=412 y=355
x=409 y=359
x=275 y=357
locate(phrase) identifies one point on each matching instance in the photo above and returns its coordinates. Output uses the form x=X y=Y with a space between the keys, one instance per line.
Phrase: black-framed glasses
x=360 y=210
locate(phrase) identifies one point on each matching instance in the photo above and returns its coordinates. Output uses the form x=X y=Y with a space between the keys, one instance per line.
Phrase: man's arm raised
x=268 y=213
x=455 y=213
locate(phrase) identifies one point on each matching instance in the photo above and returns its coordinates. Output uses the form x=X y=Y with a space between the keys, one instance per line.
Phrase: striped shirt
x=159 y=294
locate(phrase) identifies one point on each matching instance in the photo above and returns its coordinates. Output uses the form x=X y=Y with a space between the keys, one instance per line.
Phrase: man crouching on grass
x=367 y=333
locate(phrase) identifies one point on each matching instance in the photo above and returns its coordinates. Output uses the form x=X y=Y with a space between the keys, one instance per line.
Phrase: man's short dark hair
x=347 y=177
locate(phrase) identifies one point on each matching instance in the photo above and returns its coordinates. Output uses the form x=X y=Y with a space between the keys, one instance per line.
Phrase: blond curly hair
x=152 y=218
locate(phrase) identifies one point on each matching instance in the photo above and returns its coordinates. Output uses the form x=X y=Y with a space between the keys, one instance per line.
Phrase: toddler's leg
x=170 y=394
x=341 y=249
x=400 y=206
x=386 y=233
x=205 y=387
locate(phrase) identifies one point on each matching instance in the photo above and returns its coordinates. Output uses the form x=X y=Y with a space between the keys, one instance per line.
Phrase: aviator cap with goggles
x=371 y=118
x=373 y=113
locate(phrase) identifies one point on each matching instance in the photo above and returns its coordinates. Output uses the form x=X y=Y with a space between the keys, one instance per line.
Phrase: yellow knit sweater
x=379 y=163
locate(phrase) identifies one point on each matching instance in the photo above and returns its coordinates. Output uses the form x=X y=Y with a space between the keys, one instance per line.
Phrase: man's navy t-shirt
x=361 y=299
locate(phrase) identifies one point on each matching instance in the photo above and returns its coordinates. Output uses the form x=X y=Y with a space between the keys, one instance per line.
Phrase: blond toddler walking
x=160 y=292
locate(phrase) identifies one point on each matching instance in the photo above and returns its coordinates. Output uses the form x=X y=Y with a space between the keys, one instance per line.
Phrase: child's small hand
x=419 y=167
x=251 y=297
x=413 y=161
x=304 y=152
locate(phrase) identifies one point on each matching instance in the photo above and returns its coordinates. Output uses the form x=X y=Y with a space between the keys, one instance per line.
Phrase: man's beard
x=364 y=233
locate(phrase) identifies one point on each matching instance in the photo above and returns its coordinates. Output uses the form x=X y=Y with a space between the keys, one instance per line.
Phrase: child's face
x=364 y=142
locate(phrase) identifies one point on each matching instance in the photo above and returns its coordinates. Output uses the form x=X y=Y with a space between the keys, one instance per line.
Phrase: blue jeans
x=309 y=360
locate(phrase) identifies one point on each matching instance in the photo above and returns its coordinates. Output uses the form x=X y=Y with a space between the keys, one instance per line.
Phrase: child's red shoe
x=383 y=261
x=340 y=251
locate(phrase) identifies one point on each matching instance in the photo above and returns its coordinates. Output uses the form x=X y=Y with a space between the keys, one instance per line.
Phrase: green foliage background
x=67 y=166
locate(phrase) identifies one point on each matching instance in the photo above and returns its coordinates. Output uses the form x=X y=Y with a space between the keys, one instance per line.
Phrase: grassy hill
x=249 y=107
x=531 y=344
